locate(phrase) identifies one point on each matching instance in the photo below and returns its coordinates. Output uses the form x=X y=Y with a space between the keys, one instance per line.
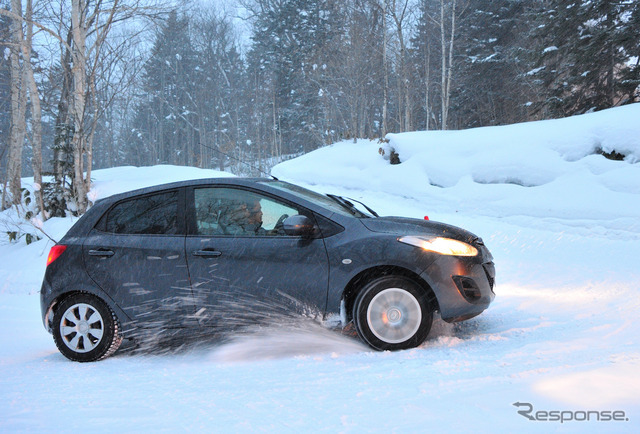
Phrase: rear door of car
x=240 y=274
x=136 y=254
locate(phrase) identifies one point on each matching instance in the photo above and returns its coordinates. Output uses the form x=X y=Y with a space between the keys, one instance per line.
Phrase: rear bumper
x=46 y=305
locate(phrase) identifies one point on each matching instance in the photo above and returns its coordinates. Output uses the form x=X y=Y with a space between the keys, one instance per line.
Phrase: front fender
x=349 y=259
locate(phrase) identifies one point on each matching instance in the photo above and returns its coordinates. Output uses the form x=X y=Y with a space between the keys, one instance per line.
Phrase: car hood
x=408 y=226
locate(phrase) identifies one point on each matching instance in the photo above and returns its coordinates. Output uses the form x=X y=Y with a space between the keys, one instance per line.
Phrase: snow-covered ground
x=562 y=222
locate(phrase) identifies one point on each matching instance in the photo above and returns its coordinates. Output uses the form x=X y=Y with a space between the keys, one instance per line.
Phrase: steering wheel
x=279 y=226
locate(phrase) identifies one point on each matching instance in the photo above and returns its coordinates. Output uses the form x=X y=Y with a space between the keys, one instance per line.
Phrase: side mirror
x=298 y=226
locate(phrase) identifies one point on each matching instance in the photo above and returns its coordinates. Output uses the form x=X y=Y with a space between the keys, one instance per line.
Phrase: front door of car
x=242 y=264
x=136 y=255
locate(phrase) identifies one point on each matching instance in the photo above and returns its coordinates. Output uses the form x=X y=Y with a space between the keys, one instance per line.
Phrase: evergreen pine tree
x=425 y=65
x=219 y=95
x=629 y=36
x=583 y=55
x=489 y=91
x=288 y=63
x=166 y=116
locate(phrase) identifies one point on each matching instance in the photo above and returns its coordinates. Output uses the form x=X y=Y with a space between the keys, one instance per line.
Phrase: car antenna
x=240 y=161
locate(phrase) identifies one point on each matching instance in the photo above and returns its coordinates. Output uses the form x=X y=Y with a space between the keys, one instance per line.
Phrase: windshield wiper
x=346 y=203
x=373 y=213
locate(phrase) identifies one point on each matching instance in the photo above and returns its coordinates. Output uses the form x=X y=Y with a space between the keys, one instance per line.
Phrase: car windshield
x=335 y=203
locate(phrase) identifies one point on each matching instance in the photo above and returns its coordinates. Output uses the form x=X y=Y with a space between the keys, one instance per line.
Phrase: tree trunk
x=92 y=132
x=79 y=94
x=404 y=104
x=405 y=84
x=36 y=111
x=18 y=108
x=384 y=69
x=427 y=82
x=63 y=123
x=450 y=61
x=447 y=61
x=443 y=70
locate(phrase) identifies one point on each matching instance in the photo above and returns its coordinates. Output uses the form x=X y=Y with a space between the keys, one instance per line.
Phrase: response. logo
x=526 y=410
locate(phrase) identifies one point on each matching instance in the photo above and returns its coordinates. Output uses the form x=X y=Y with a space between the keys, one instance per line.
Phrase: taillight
x=55 y=253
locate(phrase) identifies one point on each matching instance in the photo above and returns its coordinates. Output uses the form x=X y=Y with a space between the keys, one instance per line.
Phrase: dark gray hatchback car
x=194 y=255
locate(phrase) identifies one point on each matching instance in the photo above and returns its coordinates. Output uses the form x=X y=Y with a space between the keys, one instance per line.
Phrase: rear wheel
x=392 y=313
x=85 y=329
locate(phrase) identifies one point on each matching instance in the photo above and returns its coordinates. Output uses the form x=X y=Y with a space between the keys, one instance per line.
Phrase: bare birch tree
x=399 y=13
x=78 y=71
x=22 y=38
x=94 y=19
x=449 y=11
x=385 y=90
x=82 y=50
x=447 y=60
x=18 y=106
x=36 y=110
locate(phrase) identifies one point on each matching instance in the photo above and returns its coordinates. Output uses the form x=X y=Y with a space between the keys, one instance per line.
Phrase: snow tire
x=392 y=313
x=85 y=329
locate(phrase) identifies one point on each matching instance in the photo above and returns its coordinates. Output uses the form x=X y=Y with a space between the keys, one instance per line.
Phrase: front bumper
x=463 y=286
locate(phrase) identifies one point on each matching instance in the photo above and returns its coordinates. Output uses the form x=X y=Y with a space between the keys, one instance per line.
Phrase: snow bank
x=548 y=168
x=529 y=154
x=107 y=182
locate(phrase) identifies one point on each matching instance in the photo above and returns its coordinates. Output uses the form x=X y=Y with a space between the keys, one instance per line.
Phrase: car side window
x=235 y=212
x=153 y=214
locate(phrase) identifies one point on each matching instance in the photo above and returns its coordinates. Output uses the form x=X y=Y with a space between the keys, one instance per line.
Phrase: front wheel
x=392 y=313
x=85 y=329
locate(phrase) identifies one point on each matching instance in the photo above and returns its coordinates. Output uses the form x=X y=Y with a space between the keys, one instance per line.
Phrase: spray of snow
x=303 y=337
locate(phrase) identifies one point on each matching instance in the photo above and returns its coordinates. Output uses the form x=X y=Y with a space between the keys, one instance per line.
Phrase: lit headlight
x=444 y=246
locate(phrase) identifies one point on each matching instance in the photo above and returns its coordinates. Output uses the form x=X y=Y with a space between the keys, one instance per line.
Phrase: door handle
x=207 y=253
x=101 y=252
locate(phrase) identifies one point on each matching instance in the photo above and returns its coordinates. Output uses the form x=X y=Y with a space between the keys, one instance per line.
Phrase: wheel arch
x=357 y=283
x=53 y=305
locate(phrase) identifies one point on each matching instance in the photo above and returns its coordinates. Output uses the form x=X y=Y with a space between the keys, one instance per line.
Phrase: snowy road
x=561 y=335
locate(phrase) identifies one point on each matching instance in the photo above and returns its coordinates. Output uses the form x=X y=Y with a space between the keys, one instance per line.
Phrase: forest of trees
x=88 y=84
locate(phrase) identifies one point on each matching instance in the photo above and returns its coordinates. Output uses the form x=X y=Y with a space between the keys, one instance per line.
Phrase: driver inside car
x=242 y=217
x=254 y=220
